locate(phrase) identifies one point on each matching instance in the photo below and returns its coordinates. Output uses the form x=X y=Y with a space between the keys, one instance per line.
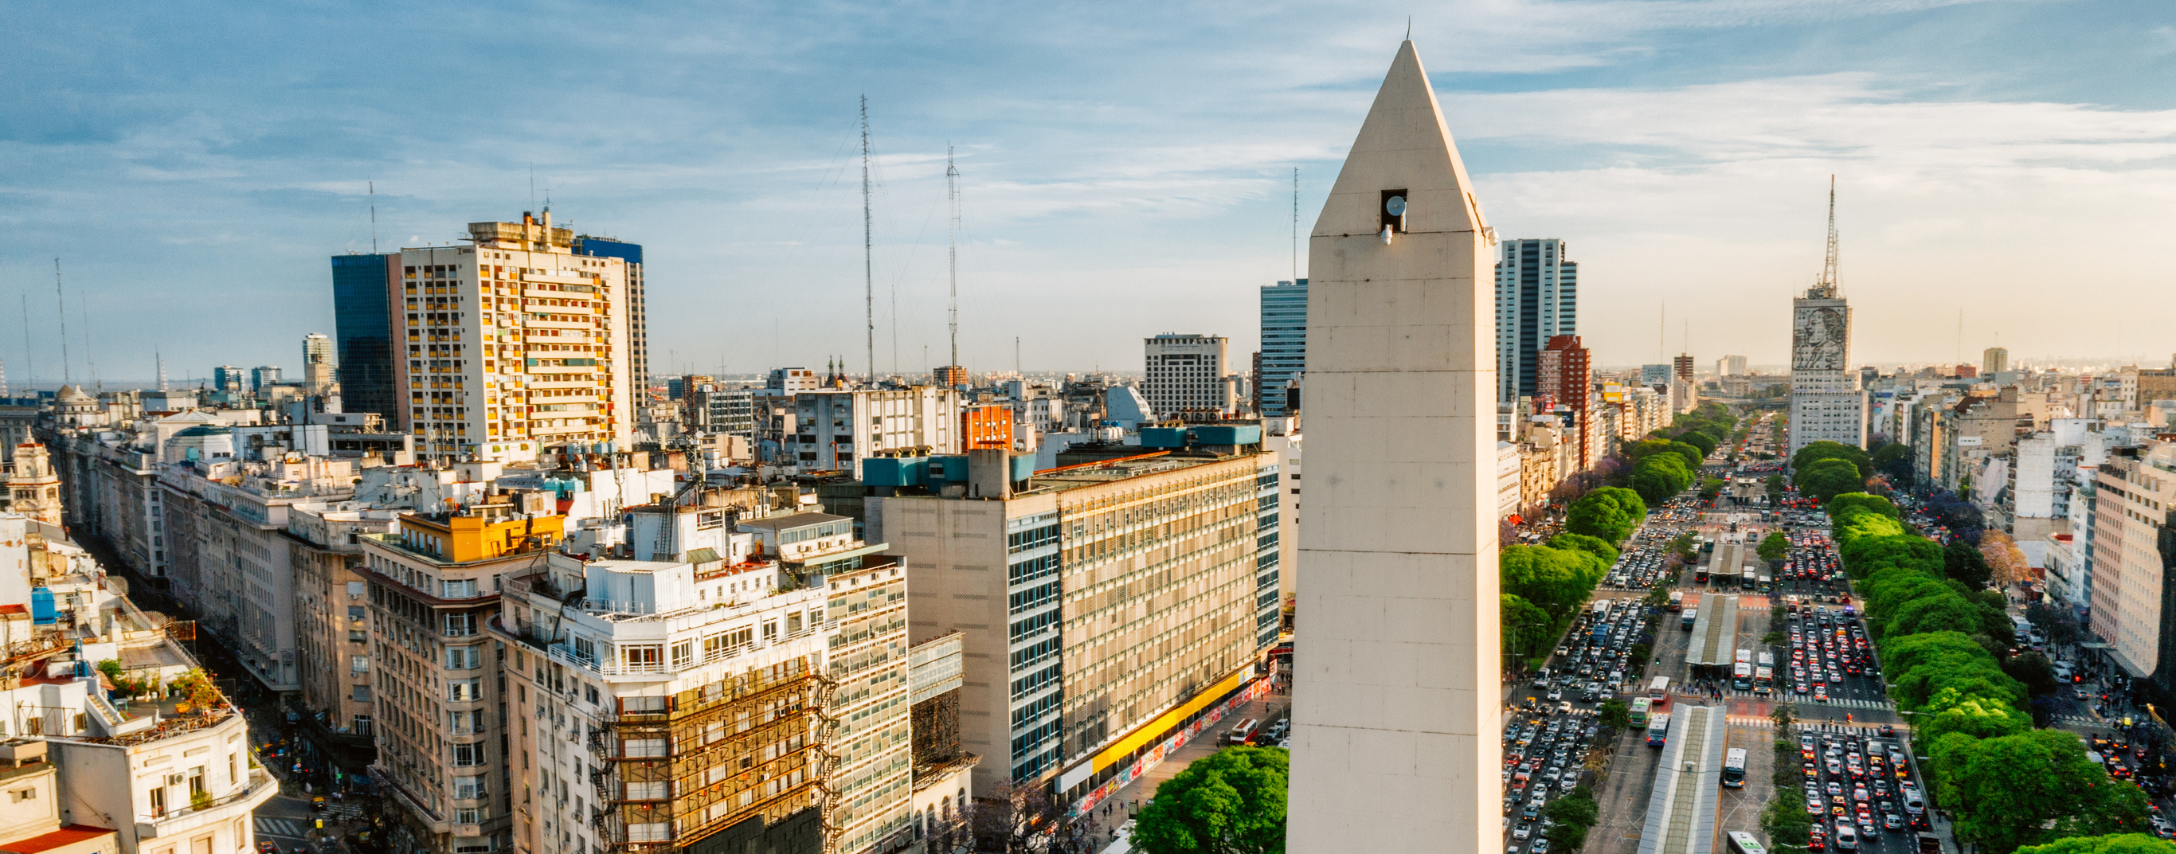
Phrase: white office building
x=1188 y=374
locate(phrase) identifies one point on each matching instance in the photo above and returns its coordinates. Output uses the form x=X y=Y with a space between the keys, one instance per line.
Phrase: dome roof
x=71 y=394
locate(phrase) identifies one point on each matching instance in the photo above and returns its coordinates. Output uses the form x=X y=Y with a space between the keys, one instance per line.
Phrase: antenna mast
x=868 y=244
x=373 y=225
x=160 y=358
x=30 y=354
x=83 y=313
x=62 y=300
x=1827 y=285
x=952 y=192
x=1295 y=225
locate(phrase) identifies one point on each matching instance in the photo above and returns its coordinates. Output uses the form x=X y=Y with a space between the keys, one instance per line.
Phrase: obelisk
x=1396 y=693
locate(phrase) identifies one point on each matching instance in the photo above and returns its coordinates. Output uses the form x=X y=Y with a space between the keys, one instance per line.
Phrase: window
x=358 y=665
x=467 y=788
x=468 y=755
x=460 y=625
x=464 y=657
x=355 y=612
x=642 y=748
x=592 y=694
x=649 y=832
x=358 y=636
x=361 y=694
x=20 y=795
x=468 y=722
x=683 y=654
x=585 y=649
x=468 y=815
x=653 y=791
x=464 y=690
x=462 y=589
x=642 y=657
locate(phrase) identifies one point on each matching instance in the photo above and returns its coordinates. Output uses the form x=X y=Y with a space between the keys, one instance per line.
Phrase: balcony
x=257 y=789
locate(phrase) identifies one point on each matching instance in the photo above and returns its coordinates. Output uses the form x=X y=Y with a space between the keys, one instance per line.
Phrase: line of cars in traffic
x=1545 y=750
x=1856 y=788
x=1826 y=646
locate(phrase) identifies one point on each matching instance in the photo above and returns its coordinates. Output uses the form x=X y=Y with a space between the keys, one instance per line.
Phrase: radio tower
x=952 y=193
x=868 y=244
x=1826 y=287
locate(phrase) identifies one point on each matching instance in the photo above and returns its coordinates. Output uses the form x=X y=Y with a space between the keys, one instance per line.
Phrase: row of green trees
x=1824 y=470
x=1543 y=588
x=1942 y=645
x=1662 y=468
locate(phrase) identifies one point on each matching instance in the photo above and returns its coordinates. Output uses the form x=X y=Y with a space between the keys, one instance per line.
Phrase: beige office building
x=513 y=344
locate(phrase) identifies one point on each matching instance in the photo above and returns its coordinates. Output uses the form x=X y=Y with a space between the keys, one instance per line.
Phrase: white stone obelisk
x=1396 y=693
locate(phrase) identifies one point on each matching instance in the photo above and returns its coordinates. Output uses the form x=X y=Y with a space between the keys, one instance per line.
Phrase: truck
x=1930 y=844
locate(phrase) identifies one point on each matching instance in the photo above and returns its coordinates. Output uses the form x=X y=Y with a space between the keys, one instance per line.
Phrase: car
x=1540 y=846
x=1892 y=821
x=1834 y=788
x=1522 y=831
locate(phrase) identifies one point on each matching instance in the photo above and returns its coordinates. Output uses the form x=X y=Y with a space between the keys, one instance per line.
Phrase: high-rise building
x=434 y=589
x=1284 y=345
x=514 y=345
x=1140 y=554
x=1681 y=367
x=1996 y=360
x=228 y=378
x=1186 y=376
x=263 y=375
x=364 y=291
x=1827 y=401
x=637 y=310
x=1537 y=298
x=1655 y=375
x=950 y=376
x=1730 y=366
x=317 y=363
x=1564 y=383
x=1393 y=750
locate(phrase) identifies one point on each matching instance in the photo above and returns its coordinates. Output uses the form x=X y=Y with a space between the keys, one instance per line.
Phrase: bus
x=1659 y=690
x=1700 y=574
x=1765 y=659
x=1677 y=601
x=1658 y=730
x=1640 y=706
x=1744 y=656
x=1742 y=842
x=1734 y=768
x=1749 y=580
x=1691 y=616
x=1764 y=679
x=1741 y=676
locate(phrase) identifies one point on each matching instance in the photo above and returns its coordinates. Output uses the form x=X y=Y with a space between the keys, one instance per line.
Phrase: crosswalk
x=290 y=827
x=2078 y=720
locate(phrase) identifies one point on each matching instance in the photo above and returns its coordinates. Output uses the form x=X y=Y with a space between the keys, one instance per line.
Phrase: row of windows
x=1034 y=682
x=1035 y=653
x=1033 y=624
x=1033 y=597
x=1031 y=569
x=1030 y=741
x=1039 y=707
x=1020 y=541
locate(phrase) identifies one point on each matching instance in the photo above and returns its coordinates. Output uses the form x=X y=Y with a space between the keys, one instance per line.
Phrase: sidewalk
x=1126 y=802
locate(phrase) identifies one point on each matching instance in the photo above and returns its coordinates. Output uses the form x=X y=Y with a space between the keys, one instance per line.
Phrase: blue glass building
x=1284 y=346
x=362 y=311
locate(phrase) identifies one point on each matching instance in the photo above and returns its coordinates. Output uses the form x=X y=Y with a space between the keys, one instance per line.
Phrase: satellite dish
x=1395 y=206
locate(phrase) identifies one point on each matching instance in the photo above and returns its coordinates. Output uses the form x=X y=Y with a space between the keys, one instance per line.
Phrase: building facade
x=1827 y=402
x=1188 y=374
x=638 y=312
x=514 y=345
x=365 y=289
x=1537 y=298
x=1284 y=347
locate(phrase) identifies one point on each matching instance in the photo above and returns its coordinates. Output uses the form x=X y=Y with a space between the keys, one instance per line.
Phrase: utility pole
x=952 y=194
x=868 y=244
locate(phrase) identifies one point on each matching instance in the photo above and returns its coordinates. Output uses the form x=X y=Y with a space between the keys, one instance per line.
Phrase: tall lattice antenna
x=62 y=300
x=868 y=244
x=1827 y=285
x=373 y=226
x=30 y=354
x=160 y=358
x=952 y=193
x=1295 y=225
x=90 y=359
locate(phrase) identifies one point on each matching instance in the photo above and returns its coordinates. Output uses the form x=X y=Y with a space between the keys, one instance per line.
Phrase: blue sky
x=1126 y=166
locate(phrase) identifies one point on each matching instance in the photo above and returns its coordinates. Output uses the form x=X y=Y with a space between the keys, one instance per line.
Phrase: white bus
x=1741 y=676
x=1742 y=842
x=1659 y=689
x=1734 y=768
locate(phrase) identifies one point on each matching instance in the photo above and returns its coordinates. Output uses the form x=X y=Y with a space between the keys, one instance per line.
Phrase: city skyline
x=1589 y=122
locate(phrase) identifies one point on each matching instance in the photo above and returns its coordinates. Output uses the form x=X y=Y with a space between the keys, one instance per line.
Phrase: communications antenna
x=373 y=221
x=868 y=244
x=1827 y=286
x=30 y=354
x=83 y=313
x=62 y=300
x=952 y=193
x=160 y=358
x=1295 y=225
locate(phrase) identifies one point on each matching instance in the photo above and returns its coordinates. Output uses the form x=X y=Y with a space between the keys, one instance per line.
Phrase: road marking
x=283 y=827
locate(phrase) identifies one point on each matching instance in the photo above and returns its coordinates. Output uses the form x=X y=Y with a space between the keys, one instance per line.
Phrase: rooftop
x=67 y=835
x=797 y=520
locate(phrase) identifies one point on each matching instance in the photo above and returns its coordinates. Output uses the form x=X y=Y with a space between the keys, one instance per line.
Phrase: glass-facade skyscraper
x=362 y=308
x=1537 y=298
x=1284 y=345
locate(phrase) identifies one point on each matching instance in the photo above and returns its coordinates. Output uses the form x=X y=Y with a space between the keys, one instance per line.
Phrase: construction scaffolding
x=683 y=767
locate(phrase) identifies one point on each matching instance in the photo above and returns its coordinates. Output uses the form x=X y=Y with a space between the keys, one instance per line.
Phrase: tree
x=2036 y=671
x=1965 y=564
x=1027 y=820
x=2006 y=563
x=1826 y=450
x=1570 y=817
x=1659 y=477
x=1828 y=478
x=1608 y=513
x=1595 y=546
x=2120 y=843
x=1637 y=656
x=2006 y=791
x=1525 y=627
x=1775 y=488
x=1711 y=488
x=1229 y=802
x=1774 y=546
x=2059 y=624
x=1785 y=819
x=1700 y=441
x=1614 y=714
